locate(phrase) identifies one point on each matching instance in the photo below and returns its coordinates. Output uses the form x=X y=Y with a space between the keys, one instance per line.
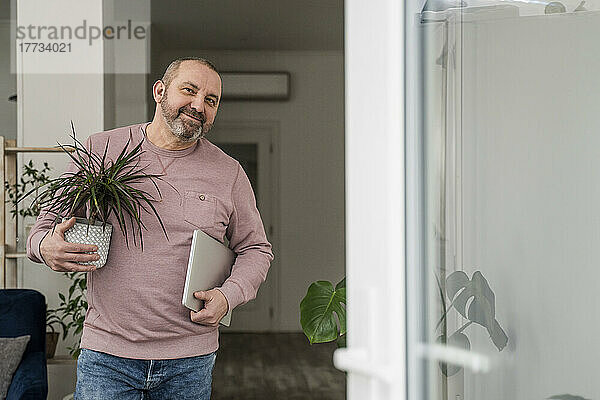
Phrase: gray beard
x=178 y=128
x=178 y=125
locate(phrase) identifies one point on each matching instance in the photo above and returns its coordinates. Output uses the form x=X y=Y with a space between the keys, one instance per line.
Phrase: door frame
x=272 y=128
x=375 y=201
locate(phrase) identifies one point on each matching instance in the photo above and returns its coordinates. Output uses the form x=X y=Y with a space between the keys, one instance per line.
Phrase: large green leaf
x=482 y=308
x=317 y=309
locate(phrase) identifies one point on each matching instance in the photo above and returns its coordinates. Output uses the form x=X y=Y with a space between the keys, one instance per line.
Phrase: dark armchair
x=23 y=312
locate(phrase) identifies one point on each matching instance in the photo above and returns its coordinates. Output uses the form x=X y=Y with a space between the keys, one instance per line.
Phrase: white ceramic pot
x=81 y=232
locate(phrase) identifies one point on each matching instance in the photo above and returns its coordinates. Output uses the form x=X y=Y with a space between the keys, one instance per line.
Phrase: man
x=138 y=340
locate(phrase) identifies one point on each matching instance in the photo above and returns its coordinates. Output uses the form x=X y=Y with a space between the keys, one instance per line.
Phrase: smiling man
x=138 y=340
x=178 y=119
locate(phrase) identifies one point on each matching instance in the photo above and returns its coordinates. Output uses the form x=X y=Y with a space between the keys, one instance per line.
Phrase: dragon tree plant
x=106 y=186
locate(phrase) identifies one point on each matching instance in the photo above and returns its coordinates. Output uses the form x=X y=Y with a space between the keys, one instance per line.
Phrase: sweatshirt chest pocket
x=199 y=209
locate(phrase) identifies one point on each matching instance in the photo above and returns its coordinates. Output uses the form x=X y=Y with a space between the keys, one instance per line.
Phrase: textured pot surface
x=51 y=341
x=92 y=234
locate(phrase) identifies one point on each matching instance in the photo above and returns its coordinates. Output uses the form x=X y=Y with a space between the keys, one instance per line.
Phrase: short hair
x=172 y=69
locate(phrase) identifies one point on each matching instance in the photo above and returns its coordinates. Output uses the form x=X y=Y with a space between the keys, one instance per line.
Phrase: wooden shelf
x=8 y=226
x=10 y=149
x=16 y=255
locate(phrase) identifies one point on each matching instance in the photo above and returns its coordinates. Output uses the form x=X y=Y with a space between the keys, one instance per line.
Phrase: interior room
x=284 y=123
x=412 y=191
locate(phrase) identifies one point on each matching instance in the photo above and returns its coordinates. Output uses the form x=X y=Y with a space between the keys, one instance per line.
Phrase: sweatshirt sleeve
x=45 y=221
x=247 y=238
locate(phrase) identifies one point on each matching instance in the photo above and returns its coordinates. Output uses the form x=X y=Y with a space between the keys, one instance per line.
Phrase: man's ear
x=158 y=90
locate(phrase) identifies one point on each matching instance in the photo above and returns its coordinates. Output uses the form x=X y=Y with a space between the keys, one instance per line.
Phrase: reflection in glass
x=505 y=121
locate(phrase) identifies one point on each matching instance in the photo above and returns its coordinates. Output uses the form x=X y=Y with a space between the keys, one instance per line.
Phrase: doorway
x=253 y=144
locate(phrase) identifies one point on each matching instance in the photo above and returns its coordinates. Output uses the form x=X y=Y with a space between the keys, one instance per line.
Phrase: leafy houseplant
x=31 y=178
x=34 y=178
x=16 y=192
x=70 y=314
x=52 y=318
x=471 y=298
x=106 y=187
x=322 y=300
x=317 y=310
x=72 y=308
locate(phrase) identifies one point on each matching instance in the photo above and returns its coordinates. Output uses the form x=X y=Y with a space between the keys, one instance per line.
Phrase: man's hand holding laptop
x=215 y=307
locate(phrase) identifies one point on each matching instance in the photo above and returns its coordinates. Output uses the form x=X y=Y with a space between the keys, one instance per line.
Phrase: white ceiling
x=249 y=24
x=244 y=24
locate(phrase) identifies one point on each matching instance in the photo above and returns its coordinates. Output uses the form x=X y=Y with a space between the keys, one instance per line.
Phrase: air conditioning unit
x=261 y=86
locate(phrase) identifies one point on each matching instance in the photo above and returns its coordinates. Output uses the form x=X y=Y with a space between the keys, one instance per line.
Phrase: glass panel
x=503 y=121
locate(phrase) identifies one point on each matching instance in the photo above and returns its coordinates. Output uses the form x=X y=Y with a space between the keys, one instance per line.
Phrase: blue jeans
x=104 y=376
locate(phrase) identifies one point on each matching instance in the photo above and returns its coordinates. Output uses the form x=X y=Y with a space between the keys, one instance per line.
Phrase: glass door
x=502 y=189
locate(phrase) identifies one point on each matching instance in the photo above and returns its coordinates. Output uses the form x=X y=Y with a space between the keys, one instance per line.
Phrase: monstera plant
x=475 y=301
x=318 y=311
x=471 y=297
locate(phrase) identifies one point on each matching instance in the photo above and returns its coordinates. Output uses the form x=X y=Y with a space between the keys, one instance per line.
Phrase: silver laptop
x=209 y=265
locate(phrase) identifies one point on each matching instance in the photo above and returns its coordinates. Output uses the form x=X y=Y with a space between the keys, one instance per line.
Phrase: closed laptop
x=209 y=266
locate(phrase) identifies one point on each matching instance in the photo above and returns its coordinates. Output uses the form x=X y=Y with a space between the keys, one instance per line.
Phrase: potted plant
x=69 y=315
x=52 y=318
x=32 y=178
x=72 y=308
x=472 y=298
x=106 y=187
x=317 y=310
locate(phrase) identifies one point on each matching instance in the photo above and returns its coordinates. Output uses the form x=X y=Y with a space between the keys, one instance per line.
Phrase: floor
x=274 y=366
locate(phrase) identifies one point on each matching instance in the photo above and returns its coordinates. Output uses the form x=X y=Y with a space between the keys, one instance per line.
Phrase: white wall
x=126 y=64
x=311 y=159
x=129 y=107
x=8 y=86
x=531 y=169
x=47 y=102
x=93 y=101
x=46 y=121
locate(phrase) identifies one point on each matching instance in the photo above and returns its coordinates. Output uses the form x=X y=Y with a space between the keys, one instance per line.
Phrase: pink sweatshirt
x=134 y=301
